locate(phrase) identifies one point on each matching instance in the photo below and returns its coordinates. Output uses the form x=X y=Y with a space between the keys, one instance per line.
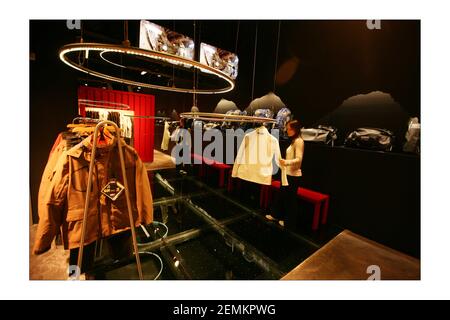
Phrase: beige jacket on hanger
x=166 y=137
x=62 y=204
x=254 y=158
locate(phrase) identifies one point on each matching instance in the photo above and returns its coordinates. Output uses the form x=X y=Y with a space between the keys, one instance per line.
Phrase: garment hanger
x=103 y=137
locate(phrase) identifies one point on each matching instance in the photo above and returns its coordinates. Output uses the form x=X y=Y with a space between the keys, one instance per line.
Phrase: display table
x=348 y=257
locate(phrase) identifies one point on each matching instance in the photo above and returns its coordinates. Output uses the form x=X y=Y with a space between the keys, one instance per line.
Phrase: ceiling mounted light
x=143 y=73
x=137 y=53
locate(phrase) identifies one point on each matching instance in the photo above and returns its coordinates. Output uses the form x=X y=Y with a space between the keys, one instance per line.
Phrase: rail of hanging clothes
x=52 y=206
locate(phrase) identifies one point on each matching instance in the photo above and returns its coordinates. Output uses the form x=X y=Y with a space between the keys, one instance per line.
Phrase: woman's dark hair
x=294 y=124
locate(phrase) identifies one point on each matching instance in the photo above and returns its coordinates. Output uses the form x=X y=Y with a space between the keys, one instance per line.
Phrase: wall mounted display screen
x=157 y=38
x=217 y=58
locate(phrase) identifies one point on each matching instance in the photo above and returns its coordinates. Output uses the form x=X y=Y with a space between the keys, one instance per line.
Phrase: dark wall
x=53 y=95
x=319 y=63
x=375 y=194
x=339 y=59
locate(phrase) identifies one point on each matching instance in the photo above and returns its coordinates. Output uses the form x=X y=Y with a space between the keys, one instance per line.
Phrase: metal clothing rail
x=224 y=117
x=148 y=117
x=86 y=120
x=127 y=196
x=104 y=104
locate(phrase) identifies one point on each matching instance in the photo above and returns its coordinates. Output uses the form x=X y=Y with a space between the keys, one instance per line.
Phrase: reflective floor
x=203 y=232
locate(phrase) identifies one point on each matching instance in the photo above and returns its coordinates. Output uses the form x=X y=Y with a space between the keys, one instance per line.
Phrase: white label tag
x=113 y=189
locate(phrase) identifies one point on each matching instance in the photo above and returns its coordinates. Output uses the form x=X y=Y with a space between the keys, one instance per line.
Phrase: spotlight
x=143 y=73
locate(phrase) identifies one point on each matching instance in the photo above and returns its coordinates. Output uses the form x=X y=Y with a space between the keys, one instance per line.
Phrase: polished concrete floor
x=51 y=265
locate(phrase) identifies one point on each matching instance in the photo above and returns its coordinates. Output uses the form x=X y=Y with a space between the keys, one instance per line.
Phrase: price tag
x=113 y=189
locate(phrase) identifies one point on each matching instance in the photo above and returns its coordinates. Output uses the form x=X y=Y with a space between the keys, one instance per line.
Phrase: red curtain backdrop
x=141 y=104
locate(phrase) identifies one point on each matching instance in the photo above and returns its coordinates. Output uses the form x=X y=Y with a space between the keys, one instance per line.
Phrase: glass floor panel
x=208 y=257
x=279 y=245
x=205 y=234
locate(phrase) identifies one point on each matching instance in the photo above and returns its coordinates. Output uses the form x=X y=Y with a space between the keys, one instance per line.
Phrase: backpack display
x=282 y=118
x=412 y=136
x=264 y=113
x=322 y=134
x=370 y=138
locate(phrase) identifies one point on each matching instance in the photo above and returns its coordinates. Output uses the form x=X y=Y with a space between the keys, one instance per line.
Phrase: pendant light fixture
x=70 y=55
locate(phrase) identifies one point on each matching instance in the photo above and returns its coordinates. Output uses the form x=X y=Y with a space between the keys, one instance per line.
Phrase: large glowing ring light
x=132 y=51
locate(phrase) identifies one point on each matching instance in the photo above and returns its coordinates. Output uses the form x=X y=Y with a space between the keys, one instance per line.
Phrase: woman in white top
x=285 y=207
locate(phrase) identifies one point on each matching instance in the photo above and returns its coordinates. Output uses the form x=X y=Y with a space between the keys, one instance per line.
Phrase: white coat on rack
x=254 y=158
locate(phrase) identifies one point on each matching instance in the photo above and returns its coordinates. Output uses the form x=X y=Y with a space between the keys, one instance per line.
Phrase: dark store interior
x=339 y=73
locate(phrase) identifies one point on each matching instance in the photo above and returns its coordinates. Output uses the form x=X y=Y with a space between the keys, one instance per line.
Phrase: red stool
x=201 y=172
x=223 y=168
x=319 y=200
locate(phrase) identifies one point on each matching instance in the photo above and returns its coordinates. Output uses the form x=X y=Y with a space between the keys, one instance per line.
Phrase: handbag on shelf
x=371 y=138
x=412 y=136
x=321 y=133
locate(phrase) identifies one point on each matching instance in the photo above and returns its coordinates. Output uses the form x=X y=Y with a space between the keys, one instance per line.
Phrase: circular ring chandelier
x=137 y=52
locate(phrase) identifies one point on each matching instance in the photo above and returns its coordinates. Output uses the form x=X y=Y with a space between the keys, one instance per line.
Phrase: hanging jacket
x=254 y=158
x=126 y=126
x=166 y=137
x=62 y=205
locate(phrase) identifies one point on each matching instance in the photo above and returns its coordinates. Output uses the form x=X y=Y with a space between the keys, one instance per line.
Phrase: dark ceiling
x=320 y=63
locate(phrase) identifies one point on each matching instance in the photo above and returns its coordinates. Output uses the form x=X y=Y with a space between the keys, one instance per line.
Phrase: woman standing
x=285 y=208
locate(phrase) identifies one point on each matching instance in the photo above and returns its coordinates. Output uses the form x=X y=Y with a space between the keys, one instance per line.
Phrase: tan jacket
x=61 y=206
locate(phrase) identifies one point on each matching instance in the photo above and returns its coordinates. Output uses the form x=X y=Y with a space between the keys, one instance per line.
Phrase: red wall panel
x=141 y=104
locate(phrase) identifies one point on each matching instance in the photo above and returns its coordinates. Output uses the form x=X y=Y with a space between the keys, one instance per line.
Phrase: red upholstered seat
x=222 y=167
x=319 y=200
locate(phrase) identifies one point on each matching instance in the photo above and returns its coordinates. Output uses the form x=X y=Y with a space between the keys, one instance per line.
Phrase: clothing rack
x=99 y=125
x=85 y=120
x=147 y=117
x=103 y=104
x=217 y=117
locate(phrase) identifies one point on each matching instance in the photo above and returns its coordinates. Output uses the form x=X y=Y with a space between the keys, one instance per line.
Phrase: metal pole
x=127 y=195
x=86 y=203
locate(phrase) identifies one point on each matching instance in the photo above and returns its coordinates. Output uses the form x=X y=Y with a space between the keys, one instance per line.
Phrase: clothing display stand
x=127 y=195
x=224 y=117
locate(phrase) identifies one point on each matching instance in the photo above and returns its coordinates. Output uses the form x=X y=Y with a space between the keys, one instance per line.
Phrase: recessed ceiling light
x=143 y=73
